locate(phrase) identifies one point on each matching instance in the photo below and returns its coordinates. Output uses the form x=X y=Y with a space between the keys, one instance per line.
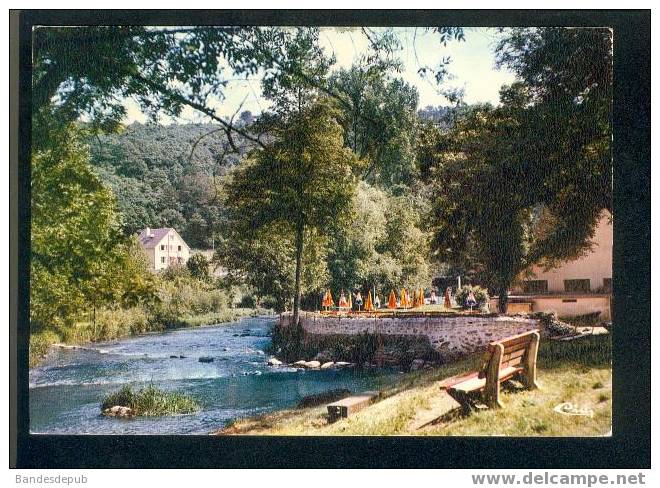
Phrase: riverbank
x=577 y=371
x=122 y=323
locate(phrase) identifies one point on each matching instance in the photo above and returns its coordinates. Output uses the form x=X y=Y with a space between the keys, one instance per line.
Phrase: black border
x=629 y=447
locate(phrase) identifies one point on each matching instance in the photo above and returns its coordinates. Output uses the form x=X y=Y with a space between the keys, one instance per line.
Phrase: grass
x=576 y=371
x=151 y=401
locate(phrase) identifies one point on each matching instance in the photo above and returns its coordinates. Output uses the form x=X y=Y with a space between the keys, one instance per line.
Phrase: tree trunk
x=299 y=251
x=503 y=300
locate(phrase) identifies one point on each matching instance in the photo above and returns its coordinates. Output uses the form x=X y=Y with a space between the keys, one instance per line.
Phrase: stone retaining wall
x=456 y=335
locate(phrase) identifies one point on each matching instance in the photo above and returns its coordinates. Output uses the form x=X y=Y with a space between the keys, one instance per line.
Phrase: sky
x=472 y=68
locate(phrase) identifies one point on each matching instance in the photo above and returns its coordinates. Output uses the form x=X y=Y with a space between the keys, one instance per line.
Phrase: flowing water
x=67 y=389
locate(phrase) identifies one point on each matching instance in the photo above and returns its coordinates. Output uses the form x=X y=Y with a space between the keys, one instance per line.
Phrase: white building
x=575 y=287
x=165 y=248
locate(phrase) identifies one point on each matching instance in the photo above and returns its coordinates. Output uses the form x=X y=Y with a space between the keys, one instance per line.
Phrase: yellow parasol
x=405 y=299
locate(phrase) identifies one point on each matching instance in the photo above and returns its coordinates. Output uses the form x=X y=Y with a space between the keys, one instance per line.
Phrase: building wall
x=596 y=266
x=564 y=305
x=455 y=335
x=152 y=258
x=169 y=251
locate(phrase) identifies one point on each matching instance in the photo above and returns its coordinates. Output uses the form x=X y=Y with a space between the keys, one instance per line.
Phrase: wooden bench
x=347 y=406
x=503 y=360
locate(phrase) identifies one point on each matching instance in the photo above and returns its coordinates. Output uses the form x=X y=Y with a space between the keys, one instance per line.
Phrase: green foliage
x=75 y=249
x=180 y=296
x=591 y=350
x=527 y=181
x=381 y=243
x=166 y=176
x=163 y=68
x=480 y=295
x=298 y=184
x=481 y=209
x=151 y=401
x=40 y=342
x=198 y=266
x=565 y=129
x=265 y=260
x=380 y=122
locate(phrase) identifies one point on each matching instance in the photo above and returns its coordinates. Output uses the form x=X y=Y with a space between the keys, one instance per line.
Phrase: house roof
x=158 y=234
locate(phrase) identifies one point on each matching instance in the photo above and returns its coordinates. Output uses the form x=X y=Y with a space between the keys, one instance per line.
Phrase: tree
x=75 y=230
x=565 y=95
x=381 y=243
x=265 y=260
x=198 y=266
x=302 y=181
x=380 y=122
x=482 y=209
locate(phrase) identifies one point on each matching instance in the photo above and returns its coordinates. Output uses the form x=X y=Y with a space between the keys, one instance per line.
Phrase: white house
x=165 y=247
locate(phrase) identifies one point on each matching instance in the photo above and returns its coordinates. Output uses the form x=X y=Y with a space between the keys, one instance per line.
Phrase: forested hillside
x=159 y=181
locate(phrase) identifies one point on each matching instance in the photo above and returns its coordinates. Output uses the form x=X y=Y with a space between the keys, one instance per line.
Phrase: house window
x=535 y=286
x=162 y=259
x=162 y=247
x=179 y=248
x=607 y=285
x=577 y=285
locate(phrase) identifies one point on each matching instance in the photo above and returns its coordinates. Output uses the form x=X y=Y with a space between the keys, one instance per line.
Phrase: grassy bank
x=115 y=324
x=574 y=371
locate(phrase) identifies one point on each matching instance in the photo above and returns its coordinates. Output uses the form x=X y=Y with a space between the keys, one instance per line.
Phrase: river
x=67 y=388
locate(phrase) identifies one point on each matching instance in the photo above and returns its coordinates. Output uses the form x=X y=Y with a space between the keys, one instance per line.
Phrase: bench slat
x=512 y=362
x=475 y=383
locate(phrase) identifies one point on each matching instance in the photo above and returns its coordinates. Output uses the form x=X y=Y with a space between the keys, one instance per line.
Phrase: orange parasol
x=368 y=305
x=327 y=299
x=391 y=302
x=342 y=301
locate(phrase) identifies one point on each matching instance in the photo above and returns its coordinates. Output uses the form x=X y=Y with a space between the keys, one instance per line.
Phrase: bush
x=552 y=324
x=151 y=401
x=198 y=266
x=40 y=343
x=480 y=295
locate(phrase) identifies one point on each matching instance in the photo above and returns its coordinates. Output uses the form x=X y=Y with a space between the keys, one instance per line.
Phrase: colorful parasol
x=368 y=305
x=327 y=299
x=391 y=301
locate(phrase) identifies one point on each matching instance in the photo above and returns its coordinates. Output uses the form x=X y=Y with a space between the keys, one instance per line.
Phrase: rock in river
x=205 y=359
x=312 y=364
x=118 y=411
x=274 y=362
x=327 y=365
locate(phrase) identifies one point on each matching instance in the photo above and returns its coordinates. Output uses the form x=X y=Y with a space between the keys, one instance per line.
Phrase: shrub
x=151 y=401
x=40 y=342
x=552 y=324
x=480 y=295
x=198 y=266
